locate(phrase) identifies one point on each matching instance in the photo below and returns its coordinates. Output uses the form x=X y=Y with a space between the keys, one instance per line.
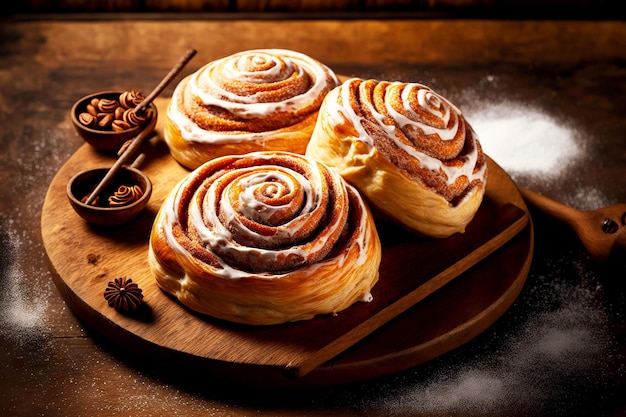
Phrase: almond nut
x=93 y=110
x=119 y=125
x=105 y=120
x=107 y=106
x=119 y=113
x=87 y=119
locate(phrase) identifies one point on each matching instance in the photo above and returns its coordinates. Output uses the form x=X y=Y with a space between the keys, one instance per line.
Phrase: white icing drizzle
x=222 y=229
x=217 y=237
x=232 y=68
x=427 y=98
x=251 y=207
x=247 y=106
x=433 y=104
x=366 y=297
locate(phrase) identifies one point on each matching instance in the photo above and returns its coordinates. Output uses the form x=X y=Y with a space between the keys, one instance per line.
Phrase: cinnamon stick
x=141 y=107
x=121 y=161
x=144 y=134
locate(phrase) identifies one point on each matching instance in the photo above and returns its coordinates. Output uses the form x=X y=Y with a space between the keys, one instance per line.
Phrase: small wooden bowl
x=107 y=140
x=83 y=183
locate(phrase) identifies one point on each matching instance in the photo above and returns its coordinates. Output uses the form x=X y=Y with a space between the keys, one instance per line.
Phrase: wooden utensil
x=601 y=231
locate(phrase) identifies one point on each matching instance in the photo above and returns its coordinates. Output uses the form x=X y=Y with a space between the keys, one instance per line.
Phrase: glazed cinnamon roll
x=265 y=238
x=256 y=100
x=407 y=149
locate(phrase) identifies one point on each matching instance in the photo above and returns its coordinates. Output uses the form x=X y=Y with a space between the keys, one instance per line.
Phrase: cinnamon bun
x=256 y=100
x=407 y=149
x=265 y=238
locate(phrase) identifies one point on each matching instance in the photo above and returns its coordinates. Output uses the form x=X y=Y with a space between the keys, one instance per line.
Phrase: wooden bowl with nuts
x=119 y=203
x=106 y=120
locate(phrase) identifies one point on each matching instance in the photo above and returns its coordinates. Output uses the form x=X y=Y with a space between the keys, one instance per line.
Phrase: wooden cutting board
x=84 y=258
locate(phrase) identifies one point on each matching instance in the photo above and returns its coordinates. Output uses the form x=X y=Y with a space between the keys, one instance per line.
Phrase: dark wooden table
x=558 y=88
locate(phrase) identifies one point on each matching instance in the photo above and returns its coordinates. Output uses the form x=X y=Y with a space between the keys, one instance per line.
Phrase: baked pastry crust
x=265 y=238
x=407 y=149
x=256 y=100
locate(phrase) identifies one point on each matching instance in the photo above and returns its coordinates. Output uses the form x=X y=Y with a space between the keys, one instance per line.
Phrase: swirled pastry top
x=240 y=96
x=407 y=149
x=265 y=238
x=416 y=129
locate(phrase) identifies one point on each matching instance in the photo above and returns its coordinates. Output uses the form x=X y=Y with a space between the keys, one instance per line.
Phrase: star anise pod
x=123 y=294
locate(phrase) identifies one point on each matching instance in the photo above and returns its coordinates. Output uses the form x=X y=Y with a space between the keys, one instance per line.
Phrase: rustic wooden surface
x=399 y=8
x=84 y=258
x=52 y=365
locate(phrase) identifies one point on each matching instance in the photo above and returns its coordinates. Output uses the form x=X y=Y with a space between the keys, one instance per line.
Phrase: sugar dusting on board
x=553 y=353
x=23 y=314
x=522 y=139
x=558 y=351
x=25 y=283
x=536 y=149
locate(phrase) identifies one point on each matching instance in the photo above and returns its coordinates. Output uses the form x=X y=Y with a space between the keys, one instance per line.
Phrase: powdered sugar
x=23 y=314
x=563 y=347
x=586 y=197
x=25 y=282
x=525 y=140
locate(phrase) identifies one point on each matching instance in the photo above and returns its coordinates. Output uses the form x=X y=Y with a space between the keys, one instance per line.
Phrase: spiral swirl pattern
x=134 y=119
x=424 y=134
x=124 y=195
x=407 y=149
x=277 y=217
x=250 y=92
x=131 y=99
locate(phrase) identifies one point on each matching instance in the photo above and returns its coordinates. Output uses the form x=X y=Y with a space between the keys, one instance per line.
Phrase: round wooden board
x=84 y=258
